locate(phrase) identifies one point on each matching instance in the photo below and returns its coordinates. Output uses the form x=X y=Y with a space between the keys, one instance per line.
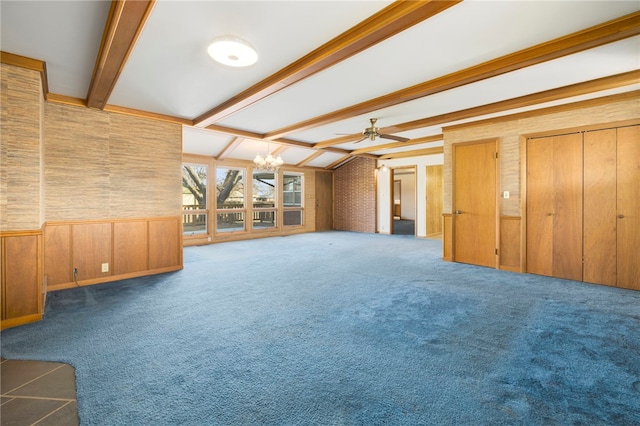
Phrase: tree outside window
x=264 y=199
x=195 y=210
x=230 y=199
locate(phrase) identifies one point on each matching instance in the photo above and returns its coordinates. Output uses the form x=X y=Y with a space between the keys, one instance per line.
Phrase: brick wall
x=355 y=196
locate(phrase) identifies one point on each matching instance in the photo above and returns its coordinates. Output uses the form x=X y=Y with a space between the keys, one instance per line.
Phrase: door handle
x=458 y=211
x=620 y=216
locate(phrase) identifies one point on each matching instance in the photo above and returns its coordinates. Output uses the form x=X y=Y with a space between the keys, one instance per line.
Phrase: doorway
x=403 y=207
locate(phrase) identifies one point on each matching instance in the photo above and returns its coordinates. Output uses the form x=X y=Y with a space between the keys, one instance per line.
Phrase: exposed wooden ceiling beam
x=604 y=83
x=341 y=161
x=587 y=103
x=597 y=85
x=608 y=32
x=416 y=141
x=124 y=25
x=415 y=153
x=309 y=159
x=391 y=20
x=228 y=148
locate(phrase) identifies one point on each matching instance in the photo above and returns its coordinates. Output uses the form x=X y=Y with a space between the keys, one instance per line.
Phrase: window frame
x=257 y=211
x=243 y=211
x=206 y=211
x=293 y=208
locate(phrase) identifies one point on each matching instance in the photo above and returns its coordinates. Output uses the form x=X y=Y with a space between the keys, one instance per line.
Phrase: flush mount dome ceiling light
x=232 y=51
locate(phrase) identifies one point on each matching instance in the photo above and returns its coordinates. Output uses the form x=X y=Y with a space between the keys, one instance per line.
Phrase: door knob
x=620 y=216
x=458 y=211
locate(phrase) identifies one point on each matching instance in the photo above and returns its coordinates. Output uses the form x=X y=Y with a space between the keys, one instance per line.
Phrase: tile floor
x=37 y=393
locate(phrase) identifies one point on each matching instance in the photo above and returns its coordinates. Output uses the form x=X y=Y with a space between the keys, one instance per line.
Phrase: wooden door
x=475 y=203
x=599 y=240
x=324 y=201
x=434 y=200
x=554 y=206
x=628 y=207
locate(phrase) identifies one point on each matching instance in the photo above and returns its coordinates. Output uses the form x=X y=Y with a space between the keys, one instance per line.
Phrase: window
x=292 y=184
x=264 y=199
x=230 y=202
x=195 y=210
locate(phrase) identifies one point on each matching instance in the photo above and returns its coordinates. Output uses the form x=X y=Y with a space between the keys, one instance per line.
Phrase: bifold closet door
x=554 y=206
x=600 y=165
x=628 y=207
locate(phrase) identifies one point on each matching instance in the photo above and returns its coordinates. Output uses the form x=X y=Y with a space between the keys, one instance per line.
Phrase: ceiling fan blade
x=361 y=140
x=395 y=138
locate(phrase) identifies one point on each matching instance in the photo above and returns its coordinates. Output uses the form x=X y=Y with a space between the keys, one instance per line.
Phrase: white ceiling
x=168 y=72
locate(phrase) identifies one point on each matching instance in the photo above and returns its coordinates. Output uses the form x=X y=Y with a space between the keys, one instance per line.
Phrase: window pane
x=230 y=221
x=229 y=188
x=194 y=186
x=264 y=190
x=194 y=224
x=292 y=217
x=292 y=190
x=264 y=219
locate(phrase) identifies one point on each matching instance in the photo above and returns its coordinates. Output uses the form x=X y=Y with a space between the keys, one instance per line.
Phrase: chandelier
x=269 y=162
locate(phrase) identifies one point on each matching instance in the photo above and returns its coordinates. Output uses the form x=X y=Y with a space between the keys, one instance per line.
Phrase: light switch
x=505 y=194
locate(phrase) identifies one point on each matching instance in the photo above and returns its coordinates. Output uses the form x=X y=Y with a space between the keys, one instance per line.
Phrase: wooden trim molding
x=608 y=32
x=28 y=63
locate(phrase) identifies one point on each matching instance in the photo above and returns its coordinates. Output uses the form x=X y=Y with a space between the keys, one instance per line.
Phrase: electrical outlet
x=105 y=267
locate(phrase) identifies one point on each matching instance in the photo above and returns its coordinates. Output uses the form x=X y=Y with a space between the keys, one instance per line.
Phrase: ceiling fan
x=371 y=133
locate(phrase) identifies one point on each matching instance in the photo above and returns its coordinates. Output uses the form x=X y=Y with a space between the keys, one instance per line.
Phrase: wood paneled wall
x=101 y=165
x=355 y=196
x=125 y=248
x=510 y=243
x=20 y=149
x=21 y=295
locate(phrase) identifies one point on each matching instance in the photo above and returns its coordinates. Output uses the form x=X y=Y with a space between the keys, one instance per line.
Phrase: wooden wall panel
x=165 y=247
x=91 y=248
x=57 y=254
x=509 y=132
x=21 y=282
x=447 y=237
x=130 y=247
x=510 y=243
x=20 y=149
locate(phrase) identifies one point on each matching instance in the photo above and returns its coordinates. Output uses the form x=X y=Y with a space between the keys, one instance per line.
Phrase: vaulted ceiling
x=325 y=67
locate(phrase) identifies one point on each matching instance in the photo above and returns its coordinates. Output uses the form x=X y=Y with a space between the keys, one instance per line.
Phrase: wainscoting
x=22 y=298
x=91 y=252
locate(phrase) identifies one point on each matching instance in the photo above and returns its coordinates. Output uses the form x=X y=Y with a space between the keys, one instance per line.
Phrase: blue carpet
x=341 y=328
